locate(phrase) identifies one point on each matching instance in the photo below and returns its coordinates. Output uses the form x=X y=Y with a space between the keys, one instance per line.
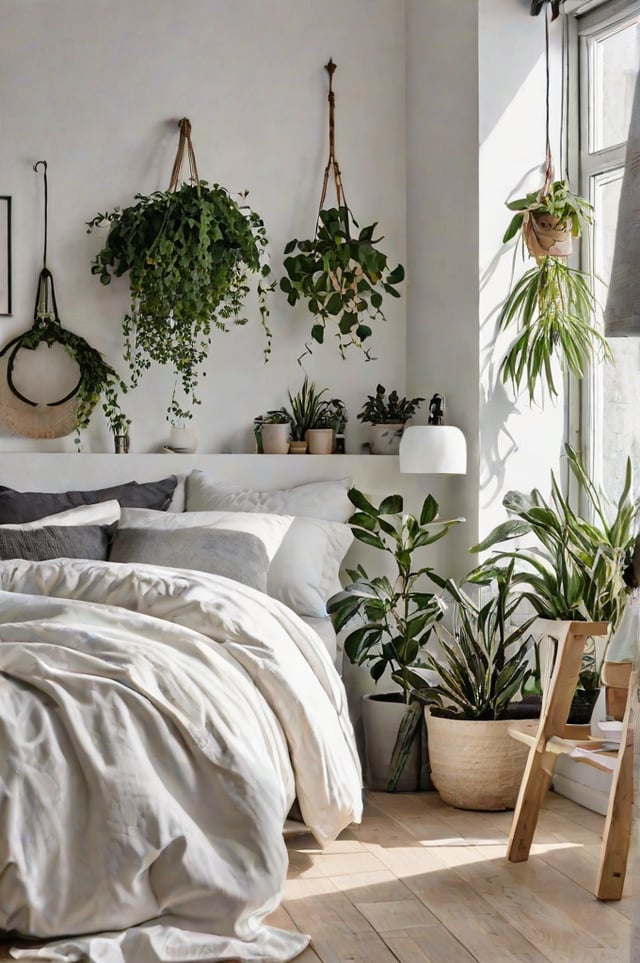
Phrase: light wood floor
x=420 y=882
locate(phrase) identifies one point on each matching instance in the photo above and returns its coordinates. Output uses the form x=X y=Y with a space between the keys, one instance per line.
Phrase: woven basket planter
x=475 y=764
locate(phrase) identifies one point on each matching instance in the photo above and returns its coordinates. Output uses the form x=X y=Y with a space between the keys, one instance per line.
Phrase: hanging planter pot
x=544 y=234
x=340 y=273
x=96 y=378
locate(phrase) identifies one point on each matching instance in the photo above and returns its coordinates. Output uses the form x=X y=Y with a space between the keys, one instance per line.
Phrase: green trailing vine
x=189 y=254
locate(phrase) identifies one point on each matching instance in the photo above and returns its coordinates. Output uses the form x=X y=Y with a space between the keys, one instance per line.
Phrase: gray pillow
x=18 y=506
x=236 y=555
x=56 y=541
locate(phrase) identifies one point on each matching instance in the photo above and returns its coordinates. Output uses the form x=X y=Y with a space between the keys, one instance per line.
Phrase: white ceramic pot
x=381 y=720
x=475 y=764
x=385 y=439
x=183 y=439
x=275 y=439
x=320 y=441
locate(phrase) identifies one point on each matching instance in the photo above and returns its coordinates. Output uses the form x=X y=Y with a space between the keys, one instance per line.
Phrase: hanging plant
x=96 y=378
x=552 y=306
x=340 y=272
x=189 y=253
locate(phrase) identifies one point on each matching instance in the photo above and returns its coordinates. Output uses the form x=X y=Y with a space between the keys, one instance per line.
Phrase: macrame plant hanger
x=332 y=163
x=184 y=143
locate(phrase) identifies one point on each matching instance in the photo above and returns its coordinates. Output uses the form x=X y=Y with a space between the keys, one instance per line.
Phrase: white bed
x=156 y=726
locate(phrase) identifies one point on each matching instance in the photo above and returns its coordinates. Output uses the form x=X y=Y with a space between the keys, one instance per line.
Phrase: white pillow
x=325 y=499
x=270 y=529
x=101 y=513
x=305 y=572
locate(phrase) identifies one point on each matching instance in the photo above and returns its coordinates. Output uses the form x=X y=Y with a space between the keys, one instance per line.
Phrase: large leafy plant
x=189 y=254
x=484 y=659
x=395 y=615
x=576 y=568
x=342 y=277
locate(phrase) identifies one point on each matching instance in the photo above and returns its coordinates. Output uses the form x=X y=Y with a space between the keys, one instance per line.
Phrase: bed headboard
x=61 y=471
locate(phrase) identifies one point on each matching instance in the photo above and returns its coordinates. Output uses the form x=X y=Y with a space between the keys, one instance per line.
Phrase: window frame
x=584 y=404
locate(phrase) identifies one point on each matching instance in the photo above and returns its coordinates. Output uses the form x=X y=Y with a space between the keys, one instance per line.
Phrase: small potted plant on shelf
x=275 y=432
x=552 y=305
x=120 y=425
x=396 y=616
x=481 y=669
x=387 y=416
x=313 y=419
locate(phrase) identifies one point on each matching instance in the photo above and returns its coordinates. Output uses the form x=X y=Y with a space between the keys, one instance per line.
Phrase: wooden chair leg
x=535 y=783
x=617 y=830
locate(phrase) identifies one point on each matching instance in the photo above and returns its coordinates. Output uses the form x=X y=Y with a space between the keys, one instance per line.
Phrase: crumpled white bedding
x=148 y=761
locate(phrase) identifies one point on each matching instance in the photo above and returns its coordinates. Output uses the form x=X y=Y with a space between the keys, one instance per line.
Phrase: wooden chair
x=552 y=736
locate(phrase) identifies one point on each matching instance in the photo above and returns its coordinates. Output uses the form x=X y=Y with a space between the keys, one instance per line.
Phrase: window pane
x=620 y=381
x=615 y=65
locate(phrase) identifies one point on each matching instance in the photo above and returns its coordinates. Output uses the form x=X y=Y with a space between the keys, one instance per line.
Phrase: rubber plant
x=340 y=273
x=189 y=253
x=397 y=614
x=552 y=306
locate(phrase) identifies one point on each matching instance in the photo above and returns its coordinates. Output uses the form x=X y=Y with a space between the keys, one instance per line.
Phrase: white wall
x=439 y=120
x=96 y=88
x=519 y=443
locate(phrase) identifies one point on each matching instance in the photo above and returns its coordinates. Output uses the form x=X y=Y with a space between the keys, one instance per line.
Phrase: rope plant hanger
x=339 y=273
x=188 y=252
x=552 y=305
x=73 y=411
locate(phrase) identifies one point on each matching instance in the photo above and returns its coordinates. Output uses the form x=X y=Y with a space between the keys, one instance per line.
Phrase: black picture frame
x=6 y=301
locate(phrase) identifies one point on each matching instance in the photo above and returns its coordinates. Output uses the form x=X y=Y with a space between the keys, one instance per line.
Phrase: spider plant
x=576 y=570
x=552 y=305
x=484 y=659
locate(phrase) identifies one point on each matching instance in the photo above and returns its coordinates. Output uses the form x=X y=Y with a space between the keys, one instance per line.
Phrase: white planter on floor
x=382 y=714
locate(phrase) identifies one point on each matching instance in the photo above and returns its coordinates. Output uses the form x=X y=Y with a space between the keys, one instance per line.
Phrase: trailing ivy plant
x=342 y=276
x=189 y=254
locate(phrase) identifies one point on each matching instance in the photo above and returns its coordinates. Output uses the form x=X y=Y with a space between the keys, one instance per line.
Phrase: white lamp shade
x=433 y=450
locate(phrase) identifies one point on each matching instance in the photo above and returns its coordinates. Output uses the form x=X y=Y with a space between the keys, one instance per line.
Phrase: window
x=609 y=57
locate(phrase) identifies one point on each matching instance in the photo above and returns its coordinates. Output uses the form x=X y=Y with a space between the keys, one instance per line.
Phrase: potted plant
x=120 y=425
x=342 y=277
x=387 y=416
x=188 y=253
x=576 y=569
x=552 y=305
x=313 y=419
x=340 y=273
x=481 y=669
x=396 y=616
x=275 y=432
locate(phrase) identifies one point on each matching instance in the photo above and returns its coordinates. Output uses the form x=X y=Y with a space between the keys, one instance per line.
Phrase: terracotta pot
x=385 y=439
x=476 y=764
x=320 y=441
x=297 y=448
x=547 y=235
x=275 y=439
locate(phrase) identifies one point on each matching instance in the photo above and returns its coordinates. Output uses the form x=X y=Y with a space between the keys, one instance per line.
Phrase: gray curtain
x=622 y=313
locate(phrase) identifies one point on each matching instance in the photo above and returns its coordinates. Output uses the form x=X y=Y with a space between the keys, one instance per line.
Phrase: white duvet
x=155 y=727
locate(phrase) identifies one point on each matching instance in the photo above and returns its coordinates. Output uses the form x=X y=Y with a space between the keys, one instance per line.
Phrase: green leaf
x=391 y=505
